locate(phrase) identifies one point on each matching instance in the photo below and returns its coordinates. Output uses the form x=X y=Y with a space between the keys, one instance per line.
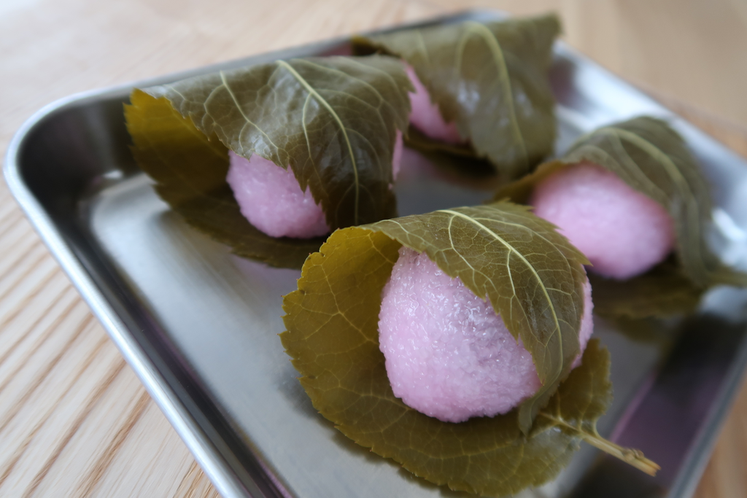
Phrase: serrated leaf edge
x=337 y=119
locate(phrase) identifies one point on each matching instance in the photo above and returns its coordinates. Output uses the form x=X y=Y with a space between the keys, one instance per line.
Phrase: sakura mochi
x=425 y=115
x=272 y=200
x=448 y=354
x=622 y=232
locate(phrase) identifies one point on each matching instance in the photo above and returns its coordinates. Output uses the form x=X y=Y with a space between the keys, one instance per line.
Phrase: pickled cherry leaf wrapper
x=649 y=156
x=458 y=160
x=662 y=291
x=190 y=172
x=579 y=403
x=333 y=120
x=332 y=337
x=532 y=276
x=490 y=79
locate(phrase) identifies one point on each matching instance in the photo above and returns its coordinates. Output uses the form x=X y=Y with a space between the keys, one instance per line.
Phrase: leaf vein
x=339 y=122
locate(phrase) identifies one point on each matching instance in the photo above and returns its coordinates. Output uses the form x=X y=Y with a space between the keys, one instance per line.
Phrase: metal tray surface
x=199 y=325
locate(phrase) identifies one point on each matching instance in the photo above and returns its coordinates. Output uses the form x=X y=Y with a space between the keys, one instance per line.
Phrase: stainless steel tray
x=200 y=326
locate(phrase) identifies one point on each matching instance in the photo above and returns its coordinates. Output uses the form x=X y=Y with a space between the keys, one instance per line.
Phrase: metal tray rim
x=186 y=427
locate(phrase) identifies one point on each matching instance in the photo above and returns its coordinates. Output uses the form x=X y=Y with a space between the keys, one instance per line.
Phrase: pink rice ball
x=621 y=231
x=448 y=354
x=425 y=115
x=272 y=200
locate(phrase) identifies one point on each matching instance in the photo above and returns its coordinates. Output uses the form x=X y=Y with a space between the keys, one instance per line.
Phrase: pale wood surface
x=74 y=419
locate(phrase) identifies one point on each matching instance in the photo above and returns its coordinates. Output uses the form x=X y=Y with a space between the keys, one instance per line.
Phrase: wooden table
x=74 y=419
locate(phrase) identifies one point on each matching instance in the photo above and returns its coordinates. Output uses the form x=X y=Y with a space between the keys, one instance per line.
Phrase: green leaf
x=458 y=160
x=660 y=292
x=490 y=79
x=579 y=403
x=332 y=120
x=653 y=159
x=190 y=172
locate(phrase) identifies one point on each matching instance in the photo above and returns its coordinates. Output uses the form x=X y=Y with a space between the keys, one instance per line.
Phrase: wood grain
x=74 y=419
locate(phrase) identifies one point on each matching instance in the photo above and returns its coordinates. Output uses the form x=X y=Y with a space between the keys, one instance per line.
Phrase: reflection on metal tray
x=200 y=326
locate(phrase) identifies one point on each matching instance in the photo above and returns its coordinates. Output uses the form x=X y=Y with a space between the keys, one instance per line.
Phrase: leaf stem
x=628 y=455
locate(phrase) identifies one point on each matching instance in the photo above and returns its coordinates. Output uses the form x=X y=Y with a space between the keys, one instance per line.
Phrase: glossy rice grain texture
x=622 y=232
x=448 y=355
x=271 y=199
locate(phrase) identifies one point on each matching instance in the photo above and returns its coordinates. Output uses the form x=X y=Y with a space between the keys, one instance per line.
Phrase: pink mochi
x=622 y=232
x=448 y=354
x=272 y=200
x=425 y=115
